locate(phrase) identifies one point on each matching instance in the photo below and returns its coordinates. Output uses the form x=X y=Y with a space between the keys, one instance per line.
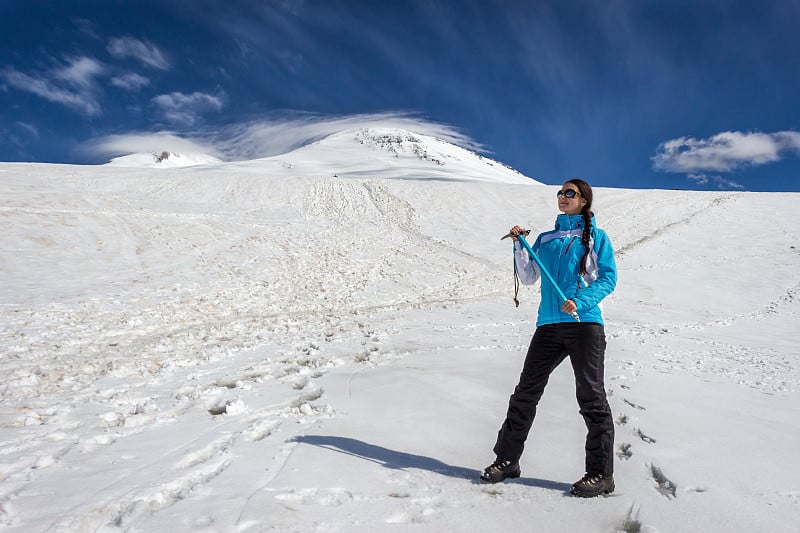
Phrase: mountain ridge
x=386 y=152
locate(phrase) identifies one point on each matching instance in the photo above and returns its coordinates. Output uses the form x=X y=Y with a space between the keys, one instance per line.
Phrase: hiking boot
x=591 y=485
x=500 y=470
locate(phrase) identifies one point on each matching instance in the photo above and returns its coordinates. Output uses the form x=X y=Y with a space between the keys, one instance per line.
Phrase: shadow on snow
x=401 y=460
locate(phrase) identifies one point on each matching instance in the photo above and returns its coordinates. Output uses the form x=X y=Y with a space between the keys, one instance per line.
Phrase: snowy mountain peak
x=398 y=142
x=375 y=152
x=164 y=159
x=395 y=153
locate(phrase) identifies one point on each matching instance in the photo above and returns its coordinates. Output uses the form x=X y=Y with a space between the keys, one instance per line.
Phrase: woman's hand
x=516 y=230
x=569 y=307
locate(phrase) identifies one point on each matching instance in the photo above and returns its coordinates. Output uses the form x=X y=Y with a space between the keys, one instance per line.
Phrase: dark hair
x=586 y=193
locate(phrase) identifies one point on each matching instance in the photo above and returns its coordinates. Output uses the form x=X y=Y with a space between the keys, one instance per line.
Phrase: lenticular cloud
x=117 y=145
x=266 y=137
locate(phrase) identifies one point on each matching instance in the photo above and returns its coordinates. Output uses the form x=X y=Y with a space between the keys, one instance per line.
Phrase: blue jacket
x=561 y=250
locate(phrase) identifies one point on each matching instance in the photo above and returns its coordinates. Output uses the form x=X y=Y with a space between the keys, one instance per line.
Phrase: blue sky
x=643 y=94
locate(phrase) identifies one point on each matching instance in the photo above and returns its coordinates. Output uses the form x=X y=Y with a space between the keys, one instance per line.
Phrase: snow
x=164 y=159
x=325 y=341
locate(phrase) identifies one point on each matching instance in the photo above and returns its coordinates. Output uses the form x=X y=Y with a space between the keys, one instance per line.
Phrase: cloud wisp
x=74 y=82
x=130 y=81
x=144 y=52
x=72 y=85
x=80 y=72
x=718 y=181
x=31 y=130
x=724 y=152
x=186 y=109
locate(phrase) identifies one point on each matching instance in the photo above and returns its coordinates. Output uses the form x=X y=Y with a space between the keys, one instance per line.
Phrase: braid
x=586 y=238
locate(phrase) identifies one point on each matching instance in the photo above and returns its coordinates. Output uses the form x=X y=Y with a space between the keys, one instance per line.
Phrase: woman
x=580 y=258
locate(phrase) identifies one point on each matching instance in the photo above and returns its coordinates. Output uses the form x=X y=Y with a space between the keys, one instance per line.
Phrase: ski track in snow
x=225 y=311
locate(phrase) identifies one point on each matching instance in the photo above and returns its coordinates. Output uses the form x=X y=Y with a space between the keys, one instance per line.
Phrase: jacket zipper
x=569 y=245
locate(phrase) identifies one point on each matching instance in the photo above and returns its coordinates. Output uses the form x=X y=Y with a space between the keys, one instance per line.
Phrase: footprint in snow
x=624 y=452
x=645 y=438
x=664 y=485
x=635 y=406
x=631 y=523
x=260 y=428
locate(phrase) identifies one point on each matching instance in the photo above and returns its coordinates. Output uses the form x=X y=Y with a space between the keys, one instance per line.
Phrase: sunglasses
x=569 y=193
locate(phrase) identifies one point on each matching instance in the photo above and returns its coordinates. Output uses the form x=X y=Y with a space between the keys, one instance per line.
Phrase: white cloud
x=185 y=109
x=724 y=152
x=72 y=85
x=133 y=143
x=130 y=81
x=80 y=72
x=146 y=53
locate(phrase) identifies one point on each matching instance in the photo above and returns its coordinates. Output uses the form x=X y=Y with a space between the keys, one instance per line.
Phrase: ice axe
x=542 y=268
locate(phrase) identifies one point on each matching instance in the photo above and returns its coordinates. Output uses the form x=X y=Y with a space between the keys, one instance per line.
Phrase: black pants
x=585 y=343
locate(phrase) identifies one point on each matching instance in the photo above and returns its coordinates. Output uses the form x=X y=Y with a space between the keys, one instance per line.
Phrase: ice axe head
x=524 y=233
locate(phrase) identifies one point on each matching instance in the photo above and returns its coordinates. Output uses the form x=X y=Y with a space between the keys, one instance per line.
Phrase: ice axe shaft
x=545 y=273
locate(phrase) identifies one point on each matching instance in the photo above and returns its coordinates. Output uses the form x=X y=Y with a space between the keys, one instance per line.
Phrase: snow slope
x=325 y=341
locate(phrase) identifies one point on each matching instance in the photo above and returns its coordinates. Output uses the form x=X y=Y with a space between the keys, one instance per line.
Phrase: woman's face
x=567 y=205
